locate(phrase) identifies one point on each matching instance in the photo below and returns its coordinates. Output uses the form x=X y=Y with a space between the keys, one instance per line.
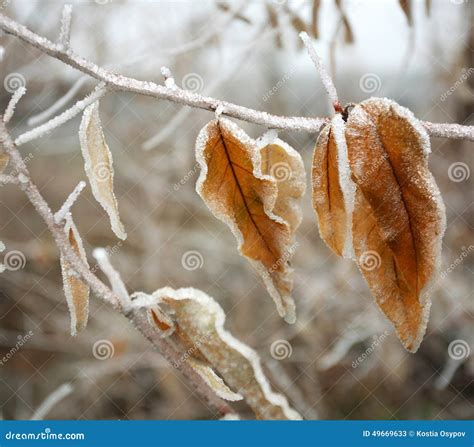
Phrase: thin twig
x=324 y=75
x=63 y=118
x=51 y=401
x=178 y=95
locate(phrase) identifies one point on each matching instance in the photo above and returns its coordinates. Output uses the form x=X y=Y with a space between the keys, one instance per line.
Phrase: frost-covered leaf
x=200 y=329
x=213 y=380
x=333 y=190
x=236 y=190
x=98 y=166
x=282 y=162
x=76 y=290
x=4 y=158
x=399 y=216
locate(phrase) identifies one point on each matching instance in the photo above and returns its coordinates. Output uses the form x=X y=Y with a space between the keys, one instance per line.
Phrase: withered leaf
x=200 y=328
x=333 y=190
x=399 y=216
x=282 y=162
x=98 y=166
x=76 y=290
x=235 y=189
x=213 y=380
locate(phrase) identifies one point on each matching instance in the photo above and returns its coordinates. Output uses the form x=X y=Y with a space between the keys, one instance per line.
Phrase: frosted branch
x=6 y=179
x=65 y=32
x=169 y=80
x=147 y=88
x=59 y=104
x=325 y=78
x=51 y=401
x=10 y=110
x=118 y=287
x=63 y=118
x=66 y=208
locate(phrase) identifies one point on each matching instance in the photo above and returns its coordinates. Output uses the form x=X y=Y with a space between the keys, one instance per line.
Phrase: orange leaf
x=333 y=191
x=236 y=190
x=76 y=290
x=399 y=216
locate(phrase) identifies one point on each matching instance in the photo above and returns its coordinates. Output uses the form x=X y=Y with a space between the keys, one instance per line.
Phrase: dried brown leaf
x=333 y=191
x=213 y=380
x=76 y=290
x=98 y=166
x=234 y=188
x=282 y=162
x=399 y=216
x=200 y=328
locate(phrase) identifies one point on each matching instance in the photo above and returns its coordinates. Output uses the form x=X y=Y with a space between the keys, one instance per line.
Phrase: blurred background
x=342 y=359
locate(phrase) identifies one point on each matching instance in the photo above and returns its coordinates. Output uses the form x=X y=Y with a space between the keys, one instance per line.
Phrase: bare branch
x=59 y=104
x=64 y=117
x=178 y=95
x=66 y=208
x=65 y=32
x=325 y=78
x=51 y=401
x=10 y=110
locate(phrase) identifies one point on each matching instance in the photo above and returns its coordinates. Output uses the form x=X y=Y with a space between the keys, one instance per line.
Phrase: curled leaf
x=282 y=162
x=399 y=216
x=261 y=214
x=98 y=166
x=200 y=327
x=333 y=190
x=213 y=380
x=76 y=290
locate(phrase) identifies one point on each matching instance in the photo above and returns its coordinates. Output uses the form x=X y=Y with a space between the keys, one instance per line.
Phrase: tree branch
x=178 y=95
x=135 y=316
